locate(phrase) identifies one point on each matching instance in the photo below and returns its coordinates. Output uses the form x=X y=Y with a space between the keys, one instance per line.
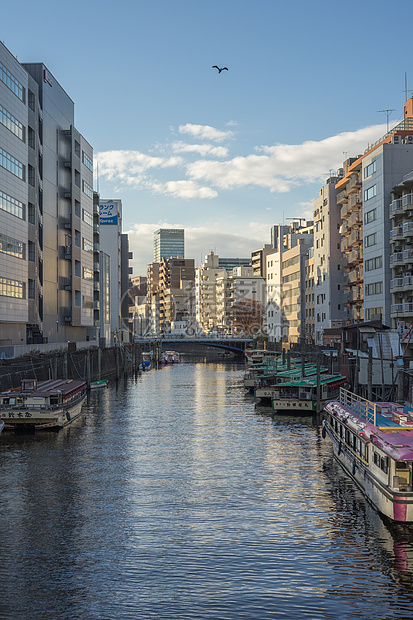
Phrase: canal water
x=175 y=497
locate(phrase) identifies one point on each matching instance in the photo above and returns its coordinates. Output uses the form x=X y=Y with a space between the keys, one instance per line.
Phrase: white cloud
x=187 y=189
x=278 y=168
x=205 y=132
x=202 y=149
x=283 y=166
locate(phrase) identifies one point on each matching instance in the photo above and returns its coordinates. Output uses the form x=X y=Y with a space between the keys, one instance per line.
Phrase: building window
x=11 y=288
x=11 y=246
x=31 y=289
x=373 y=263
x=370 y=216
x=370 y=240
x=87 y=161
x=373 y=313
x=87 y=245
x=11 y=82
x=77 y=239
x=370 y=193
x=87 y=273
x=11 y=164
x=77 y=148
x=77 y=178
x=31 y=252
x=87 y=189
x=11 y=123
x=374 y=289
x=77 y=268
x=11 y=205
x=78 y=298
x=368 y=170
x=31 y=101
x=87 y=217
x=31 y=215
x=31 y=137
x=77 y=208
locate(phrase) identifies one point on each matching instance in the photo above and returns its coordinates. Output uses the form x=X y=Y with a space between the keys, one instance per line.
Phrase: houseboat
x=172 y=357
x=45 y=405
x=299 y=396
x=264 y=385
x=373 y=442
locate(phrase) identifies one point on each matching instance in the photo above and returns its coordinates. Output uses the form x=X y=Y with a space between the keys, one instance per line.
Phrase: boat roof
x=389 y=434
x=49 y=388
x=311 y=381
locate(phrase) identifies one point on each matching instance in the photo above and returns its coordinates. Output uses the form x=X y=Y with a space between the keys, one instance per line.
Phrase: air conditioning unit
x=409 y=139
x=395 y=139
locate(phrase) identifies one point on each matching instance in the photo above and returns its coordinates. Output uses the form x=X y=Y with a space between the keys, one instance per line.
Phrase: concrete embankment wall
x=68 y=364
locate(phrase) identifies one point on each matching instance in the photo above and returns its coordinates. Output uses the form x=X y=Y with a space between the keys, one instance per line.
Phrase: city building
x=259 y=260
x=241 y=302
x=168 y=243
x=309 y=298
x=329 y=302
x=286 y=278
x=115 y=244
x=46 y=211
x=230 y=263
x=206 y=277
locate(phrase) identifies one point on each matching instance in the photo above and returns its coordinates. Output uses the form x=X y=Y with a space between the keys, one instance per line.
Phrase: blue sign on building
x=108 y=214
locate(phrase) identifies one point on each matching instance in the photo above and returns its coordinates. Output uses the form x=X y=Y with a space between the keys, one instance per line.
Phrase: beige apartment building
x=206 y=277
x=241 y=291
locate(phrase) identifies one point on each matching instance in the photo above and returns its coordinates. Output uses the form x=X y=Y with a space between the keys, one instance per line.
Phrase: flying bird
x=220 y=69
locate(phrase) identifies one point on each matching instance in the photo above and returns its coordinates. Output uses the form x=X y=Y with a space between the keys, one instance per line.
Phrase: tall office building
x=46 y=210
x=168 y=243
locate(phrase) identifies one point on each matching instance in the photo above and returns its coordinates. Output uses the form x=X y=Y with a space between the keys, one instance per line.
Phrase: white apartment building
x=206 y=277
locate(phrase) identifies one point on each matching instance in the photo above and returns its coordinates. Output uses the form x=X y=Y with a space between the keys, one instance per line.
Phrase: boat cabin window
x=54 y=400
x=376 y=459
x=381 y=461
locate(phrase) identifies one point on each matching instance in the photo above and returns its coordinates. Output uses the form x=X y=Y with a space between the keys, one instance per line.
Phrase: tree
x=247 y=316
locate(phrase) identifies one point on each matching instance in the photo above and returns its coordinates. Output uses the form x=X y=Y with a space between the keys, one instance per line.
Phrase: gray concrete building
x=46 y=210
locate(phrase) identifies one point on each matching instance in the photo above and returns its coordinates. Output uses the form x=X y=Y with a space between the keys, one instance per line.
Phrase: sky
x=223 y=155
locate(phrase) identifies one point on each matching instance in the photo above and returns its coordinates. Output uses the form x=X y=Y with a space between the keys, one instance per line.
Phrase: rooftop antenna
x=345 y=153
x=387 y=112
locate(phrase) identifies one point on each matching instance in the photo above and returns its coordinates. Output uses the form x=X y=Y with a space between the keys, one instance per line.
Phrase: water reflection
x=173 y=497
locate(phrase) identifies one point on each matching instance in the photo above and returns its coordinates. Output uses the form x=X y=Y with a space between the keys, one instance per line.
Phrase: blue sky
x=224 y=156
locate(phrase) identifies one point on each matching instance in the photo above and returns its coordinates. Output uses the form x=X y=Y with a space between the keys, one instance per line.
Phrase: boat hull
x=395 y=505
x=29 y=420
x=294 y=406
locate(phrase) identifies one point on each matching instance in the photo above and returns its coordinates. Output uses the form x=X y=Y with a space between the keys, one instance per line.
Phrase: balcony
x=354 y=184
x=396 y=232
x=355 y=276
x=407 y=200
x=354 y=257
x=68 y=252
x=344 y=244
x=341 y=197
x=396 y=309
x=354 y=219
x=354 y=200
x=396 y=206
x=407 y=308
x=408 y=229
x=397 y=257
x=408 y=282
x=345 y=211
x=396 y=283
x=408 y=255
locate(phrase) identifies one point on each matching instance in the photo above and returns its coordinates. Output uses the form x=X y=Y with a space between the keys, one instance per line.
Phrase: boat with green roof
x=306 y=396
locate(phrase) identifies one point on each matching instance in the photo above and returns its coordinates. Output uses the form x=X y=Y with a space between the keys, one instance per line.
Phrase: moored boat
x=45 y=405
x=265 y=383
x=373 y=442
x=172 y=357
x=300 y=396
x=95 y=385
x=1 y=425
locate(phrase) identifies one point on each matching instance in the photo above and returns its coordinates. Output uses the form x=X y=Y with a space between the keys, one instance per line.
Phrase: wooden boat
x=299 y=397
x=95 y=385
x=46 y=405
x=373 y=442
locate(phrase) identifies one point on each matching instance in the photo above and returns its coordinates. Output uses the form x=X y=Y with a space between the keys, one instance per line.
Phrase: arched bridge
x=237 y=345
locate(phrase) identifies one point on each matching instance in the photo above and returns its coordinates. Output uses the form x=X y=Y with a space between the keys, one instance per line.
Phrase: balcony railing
x=354 y=200
x=396 y=283
x=345 y=210
x=396 y=205
x=396 y=232
x=408 y=228
x=397 y=257
x=407 y=200
x=341 y=197
x=354 y=184
x=396 y=308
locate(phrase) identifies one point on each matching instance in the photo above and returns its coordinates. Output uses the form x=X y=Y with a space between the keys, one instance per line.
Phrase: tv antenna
x=405 y=87
x=387 y=113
